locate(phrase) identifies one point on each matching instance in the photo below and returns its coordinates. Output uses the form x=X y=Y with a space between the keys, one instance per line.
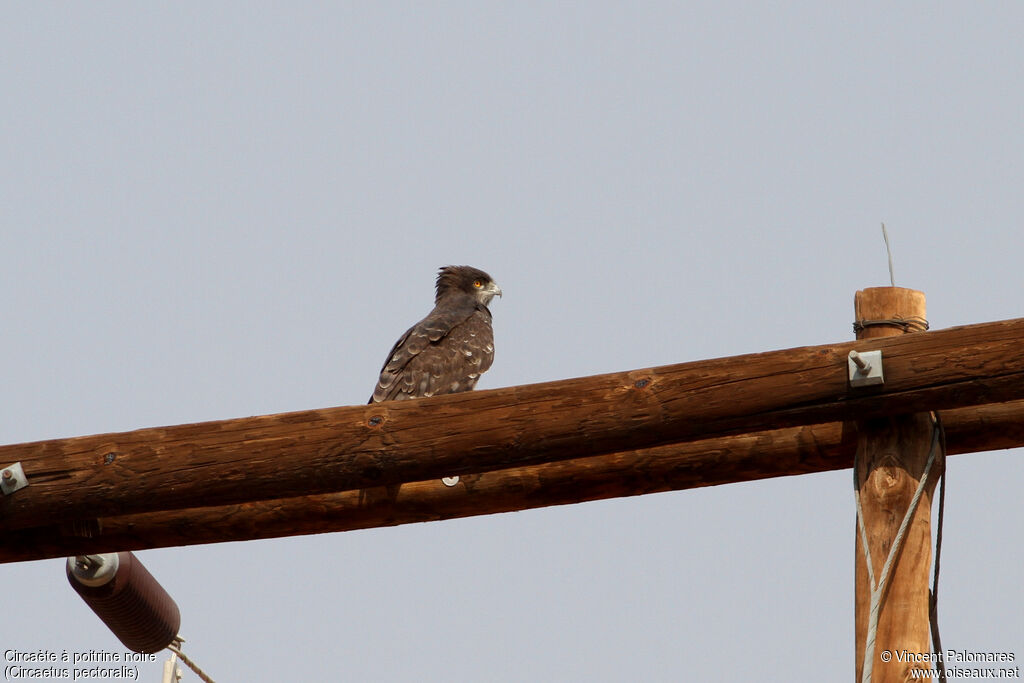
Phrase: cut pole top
x=875 y=304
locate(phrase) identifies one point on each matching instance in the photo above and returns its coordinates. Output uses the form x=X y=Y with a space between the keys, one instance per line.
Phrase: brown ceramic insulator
x=132 y=604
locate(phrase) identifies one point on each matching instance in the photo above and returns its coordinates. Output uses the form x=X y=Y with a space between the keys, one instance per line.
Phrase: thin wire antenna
x=885 y=236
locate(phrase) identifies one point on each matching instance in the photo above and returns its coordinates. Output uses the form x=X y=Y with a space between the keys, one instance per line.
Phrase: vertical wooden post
x=891 y=456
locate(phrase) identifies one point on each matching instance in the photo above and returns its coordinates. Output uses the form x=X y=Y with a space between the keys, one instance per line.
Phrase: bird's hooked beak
x=489 y=292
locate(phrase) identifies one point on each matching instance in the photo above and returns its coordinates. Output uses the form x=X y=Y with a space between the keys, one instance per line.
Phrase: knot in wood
x=889 y=479
x=375 y=421
x=109 y=458
x=641 y=383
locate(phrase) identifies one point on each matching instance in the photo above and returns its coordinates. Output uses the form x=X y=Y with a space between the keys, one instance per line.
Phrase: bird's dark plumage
x=447 y=351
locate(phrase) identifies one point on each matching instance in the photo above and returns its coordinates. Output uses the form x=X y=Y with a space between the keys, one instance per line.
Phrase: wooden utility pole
x=892 y=454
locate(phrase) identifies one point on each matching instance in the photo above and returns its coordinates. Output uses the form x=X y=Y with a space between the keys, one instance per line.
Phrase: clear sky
x=214 y=210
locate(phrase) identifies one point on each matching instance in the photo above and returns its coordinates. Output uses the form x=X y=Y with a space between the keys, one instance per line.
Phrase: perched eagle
x=447 y=351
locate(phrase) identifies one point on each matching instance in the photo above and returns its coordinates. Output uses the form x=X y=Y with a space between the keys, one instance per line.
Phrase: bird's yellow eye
x=478 y=283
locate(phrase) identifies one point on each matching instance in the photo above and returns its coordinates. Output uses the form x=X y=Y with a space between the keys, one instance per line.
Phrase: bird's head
x=467 y=280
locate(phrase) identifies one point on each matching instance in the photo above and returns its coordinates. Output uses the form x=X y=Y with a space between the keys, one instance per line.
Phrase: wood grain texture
x=891 y=459
x=746 y=457
x=338 y=449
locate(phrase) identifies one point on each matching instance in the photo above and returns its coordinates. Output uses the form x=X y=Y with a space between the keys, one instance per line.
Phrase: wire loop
x=911 y=324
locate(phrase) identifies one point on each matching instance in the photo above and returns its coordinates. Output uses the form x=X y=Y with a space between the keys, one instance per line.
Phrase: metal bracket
x=13 y=478
x=865 y=368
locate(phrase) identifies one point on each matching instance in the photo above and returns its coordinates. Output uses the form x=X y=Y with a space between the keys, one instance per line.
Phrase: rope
x=175 y=647
x=911 y=324
x=878 y=589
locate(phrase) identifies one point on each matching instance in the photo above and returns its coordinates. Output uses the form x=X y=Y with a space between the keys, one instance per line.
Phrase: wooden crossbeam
x=745 y=457
x=322 y=451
